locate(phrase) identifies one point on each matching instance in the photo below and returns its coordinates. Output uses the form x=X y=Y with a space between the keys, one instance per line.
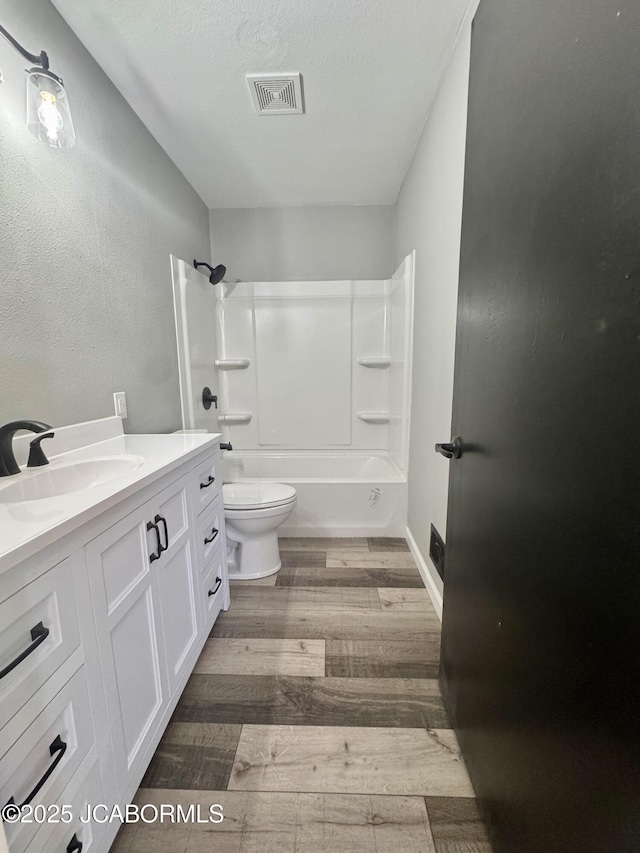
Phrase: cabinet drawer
x=206 y=482
x=84 y=791
x=46 y=756
x=213 y=587
x=210 y=533
x=38 y=632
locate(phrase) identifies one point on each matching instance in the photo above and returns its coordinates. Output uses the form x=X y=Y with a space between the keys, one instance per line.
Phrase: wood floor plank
x=283 y=822
x=457 y=825
x=375 y=659
x=333 y=625
x=302 y=559
x=296 y=701
x=270 y=580
x=262 y=657
x=193 y=755
x=387 y=543
x=406 y=578
x=303 y=598
x=370 y=560
x=406 y=599
x=328 y=759
x=322 y=543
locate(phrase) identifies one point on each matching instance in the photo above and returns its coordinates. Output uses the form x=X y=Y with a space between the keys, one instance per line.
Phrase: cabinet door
x=127 y=613
x=177 y=579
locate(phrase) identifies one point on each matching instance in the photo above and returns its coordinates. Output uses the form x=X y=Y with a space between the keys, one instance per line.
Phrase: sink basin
x=56 y=480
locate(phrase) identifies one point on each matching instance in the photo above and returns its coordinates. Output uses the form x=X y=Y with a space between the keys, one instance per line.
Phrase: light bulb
x=49 y=115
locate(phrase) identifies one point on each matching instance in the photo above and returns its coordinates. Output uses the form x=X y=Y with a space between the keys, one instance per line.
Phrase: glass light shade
x=48 y=114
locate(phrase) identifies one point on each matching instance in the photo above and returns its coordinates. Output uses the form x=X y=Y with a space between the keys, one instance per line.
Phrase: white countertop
x=30 y=526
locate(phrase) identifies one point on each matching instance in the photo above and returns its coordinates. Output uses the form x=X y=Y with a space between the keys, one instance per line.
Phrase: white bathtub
x=338 y=494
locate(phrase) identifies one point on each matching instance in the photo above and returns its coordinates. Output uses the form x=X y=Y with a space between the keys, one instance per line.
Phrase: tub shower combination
x=313 y=387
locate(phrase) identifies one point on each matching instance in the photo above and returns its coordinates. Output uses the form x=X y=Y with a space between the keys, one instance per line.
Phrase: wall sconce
x=48 y=114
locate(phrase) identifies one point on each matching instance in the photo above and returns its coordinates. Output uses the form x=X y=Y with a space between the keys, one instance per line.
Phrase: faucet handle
x=36 y=453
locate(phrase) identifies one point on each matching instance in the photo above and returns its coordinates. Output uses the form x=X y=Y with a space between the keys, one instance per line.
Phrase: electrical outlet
x=120 y=403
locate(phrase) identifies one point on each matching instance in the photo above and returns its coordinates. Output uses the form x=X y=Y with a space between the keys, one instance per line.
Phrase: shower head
x=217 y=273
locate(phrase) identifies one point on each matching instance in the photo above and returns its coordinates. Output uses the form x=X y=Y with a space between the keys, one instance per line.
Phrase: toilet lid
x=256 y=495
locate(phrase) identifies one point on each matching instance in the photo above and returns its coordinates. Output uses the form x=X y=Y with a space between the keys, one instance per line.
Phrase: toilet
x=253 y=513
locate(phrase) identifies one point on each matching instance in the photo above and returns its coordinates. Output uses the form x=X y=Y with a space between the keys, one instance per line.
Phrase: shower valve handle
x=208 y=398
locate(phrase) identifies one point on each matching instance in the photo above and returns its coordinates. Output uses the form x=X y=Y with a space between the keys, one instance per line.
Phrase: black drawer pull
x=38 y=635
x=208 y=483
x=216 y=587
x=58 y=746
x=152 y=526
x=74 y=845
x=214 y=533
x=160 y=519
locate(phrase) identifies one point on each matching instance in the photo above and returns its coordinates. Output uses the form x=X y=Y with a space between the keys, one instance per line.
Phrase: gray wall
x=85 y=238
x=429 y=219
x=304 y=243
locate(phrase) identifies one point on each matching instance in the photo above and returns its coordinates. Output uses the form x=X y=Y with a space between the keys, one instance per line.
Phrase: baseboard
x=426 y=571
x=295 y=532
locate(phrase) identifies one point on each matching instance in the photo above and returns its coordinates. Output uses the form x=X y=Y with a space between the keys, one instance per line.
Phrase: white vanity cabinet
x=143 y=578
x=177 y=573
x=126 y=606
x=106 y=626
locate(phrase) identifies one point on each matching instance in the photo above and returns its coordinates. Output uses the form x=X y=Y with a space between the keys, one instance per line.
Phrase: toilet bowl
x=253 y=513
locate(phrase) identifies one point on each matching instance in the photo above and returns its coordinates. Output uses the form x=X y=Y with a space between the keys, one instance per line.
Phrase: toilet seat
x=257 y=495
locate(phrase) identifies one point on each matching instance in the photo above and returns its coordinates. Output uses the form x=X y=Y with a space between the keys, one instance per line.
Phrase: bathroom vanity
x=107 y=595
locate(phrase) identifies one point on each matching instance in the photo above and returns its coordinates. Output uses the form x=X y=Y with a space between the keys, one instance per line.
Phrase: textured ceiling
x=370 y=70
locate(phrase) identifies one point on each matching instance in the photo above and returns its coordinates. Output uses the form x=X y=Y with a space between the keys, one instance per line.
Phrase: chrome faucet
x=8 y=464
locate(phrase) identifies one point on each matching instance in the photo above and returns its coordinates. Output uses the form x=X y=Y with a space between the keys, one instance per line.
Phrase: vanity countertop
x=27 y=527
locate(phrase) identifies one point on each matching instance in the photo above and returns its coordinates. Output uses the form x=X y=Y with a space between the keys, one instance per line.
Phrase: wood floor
x=314 y=718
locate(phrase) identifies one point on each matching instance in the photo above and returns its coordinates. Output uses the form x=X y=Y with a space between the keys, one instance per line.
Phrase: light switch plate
x=120 y=404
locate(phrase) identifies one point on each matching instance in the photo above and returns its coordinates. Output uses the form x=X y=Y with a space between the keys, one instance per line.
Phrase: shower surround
x=314 y=389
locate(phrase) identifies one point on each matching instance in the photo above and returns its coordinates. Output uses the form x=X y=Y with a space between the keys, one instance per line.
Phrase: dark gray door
x=541 y=631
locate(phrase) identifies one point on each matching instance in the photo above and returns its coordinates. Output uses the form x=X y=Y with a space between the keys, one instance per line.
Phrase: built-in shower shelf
x=235 y=418
x=374 y=417
x=232 y=363
x=376 y=363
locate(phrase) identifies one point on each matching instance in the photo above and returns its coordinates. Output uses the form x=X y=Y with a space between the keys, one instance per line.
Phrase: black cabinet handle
x=152 y=526
x=216 y=587
x=74 y=845
x=59 y=747
x=214 y=533
x=160 y=519
x=209 y=482
x=38 y=635
x=451 y=449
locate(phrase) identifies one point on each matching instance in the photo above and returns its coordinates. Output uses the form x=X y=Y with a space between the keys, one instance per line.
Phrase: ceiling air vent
x=276 y=94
